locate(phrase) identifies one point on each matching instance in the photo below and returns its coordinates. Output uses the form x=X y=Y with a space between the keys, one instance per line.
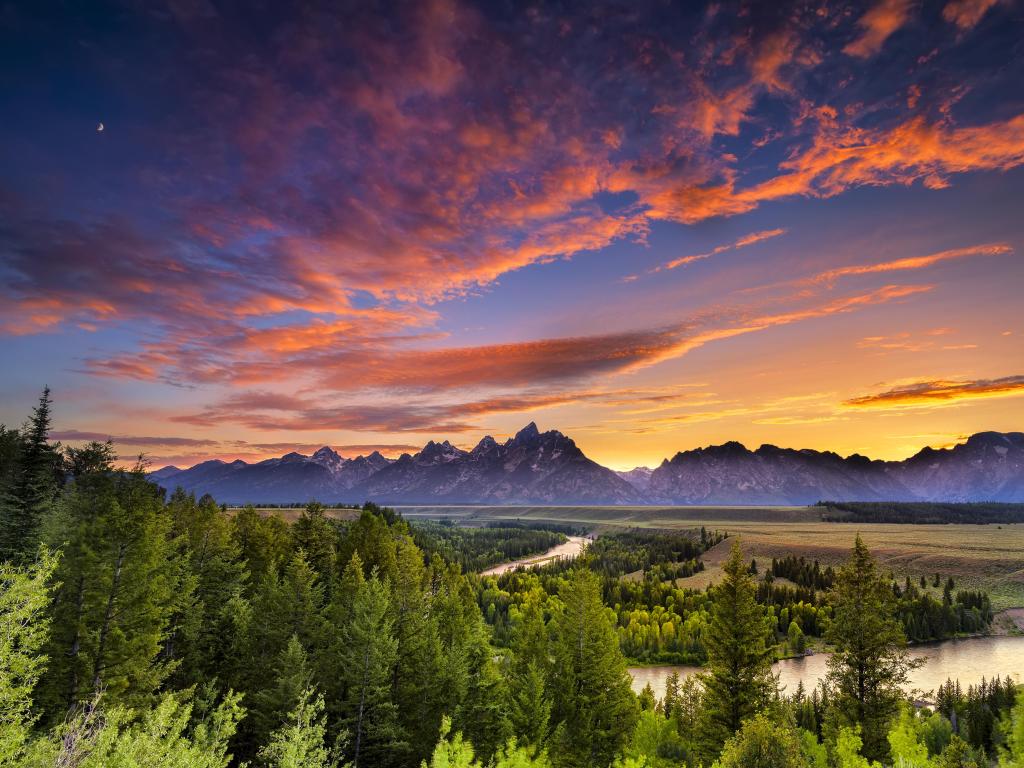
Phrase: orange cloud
x=753 y=237
x=939 y=392
x=877 y=24
x=966 y=13
x=914 y=262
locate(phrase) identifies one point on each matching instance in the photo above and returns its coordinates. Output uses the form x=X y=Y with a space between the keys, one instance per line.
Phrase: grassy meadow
x=989 y=557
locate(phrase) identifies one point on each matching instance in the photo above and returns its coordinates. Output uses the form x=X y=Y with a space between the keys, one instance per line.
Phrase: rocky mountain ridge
x=536 y=467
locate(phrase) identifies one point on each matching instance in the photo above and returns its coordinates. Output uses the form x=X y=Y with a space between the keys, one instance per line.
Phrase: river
x=967 y=660
x=570 y=548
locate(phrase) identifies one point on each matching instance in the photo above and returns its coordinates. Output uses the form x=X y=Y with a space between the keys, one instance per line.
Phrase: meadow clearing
x=988 y=557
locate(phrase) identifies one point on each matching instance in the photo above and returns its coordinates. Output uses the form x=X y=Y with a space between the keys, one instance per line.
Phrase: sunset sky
x=652 y=226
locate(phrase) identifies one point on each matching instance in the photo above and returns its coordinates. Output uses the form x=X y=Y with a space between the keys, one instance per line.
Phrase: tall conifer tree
x=738 y=682
x=594 y=708
x=870 y=663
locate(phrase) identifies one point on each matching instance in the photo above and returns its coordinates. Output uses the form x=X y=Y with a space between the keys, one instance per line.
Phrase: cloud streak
x=939 y=393
x=742 y=242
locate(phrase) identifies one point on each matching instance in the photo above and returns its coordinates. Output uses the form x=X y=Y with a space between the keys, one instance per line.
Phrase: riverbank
x=1008 y=622
x=571 y=548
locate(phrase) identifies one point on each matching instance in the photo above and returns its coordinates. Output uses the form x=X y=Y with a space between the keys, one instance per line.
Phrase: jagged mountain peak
x=535 y=467
x=434 y=452
x=326 y=453
x=486 y=445
x=527 y=433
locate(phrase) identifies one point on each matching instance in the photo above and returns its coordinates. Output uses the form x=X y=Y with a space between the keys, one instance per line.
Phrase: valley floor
x=987 y=557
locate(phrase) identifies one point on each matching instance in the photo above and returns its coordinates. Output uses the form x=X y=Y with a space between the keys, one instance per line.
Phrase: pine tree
x=11 y=451
x=738 y=682
x=481 y=715
x=273 y=705
x=264 y=544
x=529 y=704
x=299 y=742
x=366 y=667
x=34 y=486
x=120 y=581
x=24 y=625
x=870 y=663
x=171 y=733
x=594 y=709
x=202 y=531
x=315 y=535
x=762 y=743
x=417 y=659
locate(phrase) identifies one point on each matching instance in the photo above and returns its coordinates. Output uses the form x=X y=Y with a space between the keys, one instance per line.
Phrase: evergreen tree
x=958 y=754
x=11 y=450
x=169 y=734
x=738 y=682
x=366 y=669
x=202 y=531
x=273 y=705
x=594 y=709
x=1011 y=754
x=35 y=478
x=120 y=581
x=417 y=659
x=481 y=715
x=529 y=704
x=762 y=743
x=870 y=663
x=264 y=543
x=24 y=625
x=315 y=535
x=299 y=742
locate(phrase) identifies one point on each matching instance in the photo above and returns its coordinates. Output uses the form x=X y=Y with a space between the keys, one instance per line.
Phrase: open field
x=633 y=517
x=989 y=557
x=291 y=514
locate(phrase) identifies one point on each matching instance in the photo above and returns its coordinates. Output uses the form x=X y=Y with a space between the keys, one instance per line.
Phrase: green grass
x=989 y=557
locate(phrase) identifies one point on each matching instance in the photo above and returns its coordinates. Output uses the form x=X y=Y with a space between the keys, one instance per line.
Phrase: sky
x=235 y=229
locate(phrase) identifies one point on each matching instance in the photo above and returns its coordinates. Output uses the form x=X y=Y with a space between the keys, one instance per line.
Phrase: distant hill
x=549 y=468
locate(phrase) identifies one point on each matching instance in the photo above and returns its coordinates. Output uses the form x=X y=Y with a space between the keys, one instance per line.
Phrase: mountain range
x=537 y=467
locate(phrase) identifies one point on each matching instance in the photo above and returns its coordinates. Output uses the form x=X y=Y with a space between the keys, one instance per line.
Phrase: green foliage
x=478 y=548
x=299 y=741
x=958 y=755
x=763 y=743
x=870 y=663
x=847 y=750
x=906 y=746
x=656 y=742
x=366 y=665
x=456 y=752
x=347 y=639
x=30 y=479
x=738 y=682
x=1012 y=753
x=24 y=627
x=594 y=710
x=167 y=735
x=121 y=580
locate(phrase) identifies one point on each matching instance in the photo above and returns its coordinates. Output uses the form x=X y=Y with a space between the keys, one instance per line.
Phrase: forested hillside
x=144 y=630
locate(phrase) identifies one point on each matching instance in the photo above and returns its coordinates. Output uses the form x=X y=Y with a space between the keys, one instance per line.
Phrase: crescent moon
x=99 y=128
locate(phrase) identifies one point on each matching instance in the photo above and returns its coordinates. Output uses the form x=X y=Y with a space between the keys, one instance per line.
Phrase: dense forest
x=144 y=629
x=476 y=549
x=921 y=512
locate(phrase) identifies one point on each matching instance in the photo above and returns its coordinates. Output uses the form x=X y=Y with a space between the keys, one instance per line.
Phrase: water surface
x=570 y=548
x=967 y=660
